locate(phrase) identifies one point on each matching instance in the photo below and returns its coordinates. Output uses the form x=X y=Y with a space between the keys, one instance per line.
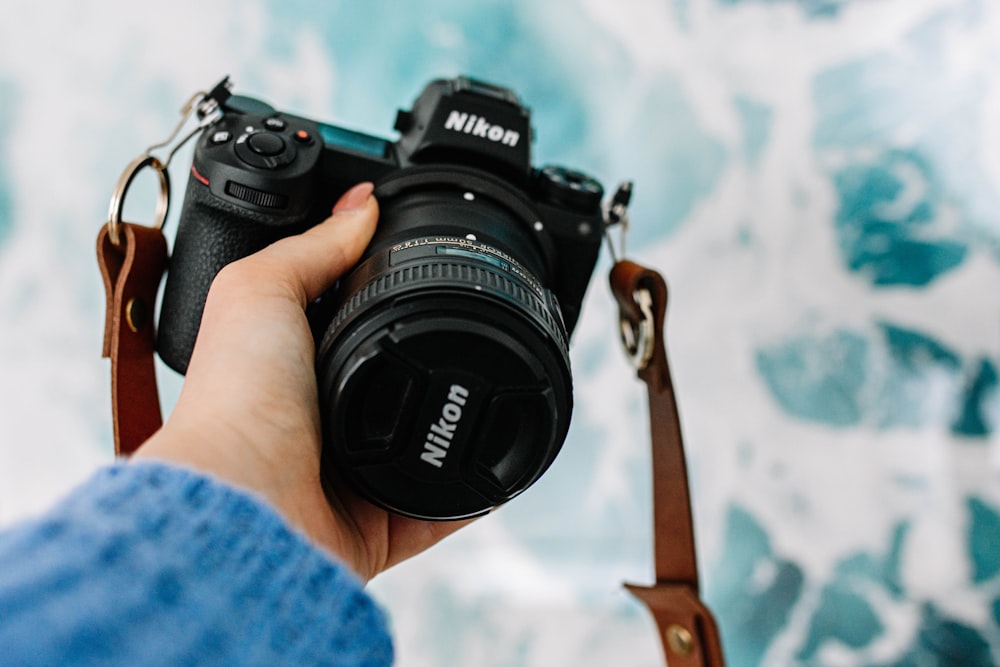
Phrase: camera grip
x=210 y=234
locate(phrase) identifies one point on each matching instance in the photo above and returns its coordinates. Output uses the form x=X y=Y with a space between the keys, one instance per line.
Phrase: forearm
x=150 y=564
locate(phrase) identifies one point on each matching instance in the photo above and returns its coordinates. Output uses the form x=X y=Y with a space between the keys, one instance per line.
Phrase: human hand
x=249 y=412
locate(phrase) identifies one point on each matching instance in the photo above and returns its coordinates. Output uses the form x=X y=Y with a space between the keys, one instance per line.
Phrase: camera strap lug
x=208 y=108
x=636 y=326
x=688 y=631
x=616 y=215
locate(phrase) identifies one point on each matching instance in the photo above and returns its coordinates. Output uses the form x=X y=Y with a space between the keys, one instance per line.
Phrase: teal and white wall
x=817 y=179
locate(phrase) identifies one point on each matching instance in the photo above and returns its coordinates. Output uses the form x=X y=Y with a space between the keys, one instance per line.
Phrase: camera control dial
x=266 y=143
x=264 y=149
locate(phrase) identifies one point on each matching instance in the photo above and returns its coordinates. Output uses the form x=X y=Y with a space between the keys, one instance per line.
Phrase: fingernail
x=355 y=198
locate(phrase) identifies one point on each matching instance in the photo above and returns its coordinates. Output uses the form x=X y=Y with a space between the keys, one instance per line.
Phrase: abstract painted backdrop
x=817 y=179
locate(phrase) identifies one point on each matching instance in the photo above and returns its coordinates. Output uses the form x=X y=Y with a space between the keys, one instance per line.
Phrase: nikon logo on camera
x=443 y=430
x=478 y=126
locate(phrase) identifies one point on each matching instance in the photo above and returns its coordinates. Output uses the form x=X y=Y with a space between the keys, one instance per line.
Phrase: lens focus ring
x=452 y=274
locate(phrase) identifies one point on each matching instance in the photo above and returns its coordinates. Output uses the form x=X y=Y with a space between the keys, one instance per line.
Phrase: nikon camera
x=442 y=357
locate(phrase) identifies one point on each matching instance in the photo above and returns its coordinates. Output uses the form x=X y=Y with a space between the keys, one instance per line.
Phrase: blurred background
x=817 y=180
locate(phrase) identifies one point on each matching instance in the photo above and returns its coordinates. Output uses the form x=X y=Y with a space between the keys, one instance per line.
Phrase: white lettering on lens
x=441 y=432
x=477 y=126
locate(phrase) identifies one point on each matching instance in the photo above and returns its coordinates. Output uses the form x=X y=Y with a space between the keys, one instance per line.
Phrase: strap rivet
x=679 y=640
x=136 y=314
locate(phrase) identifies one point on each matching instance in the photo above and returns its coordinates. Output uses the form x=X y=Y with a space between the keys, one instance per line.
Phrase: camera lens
x=443 y=367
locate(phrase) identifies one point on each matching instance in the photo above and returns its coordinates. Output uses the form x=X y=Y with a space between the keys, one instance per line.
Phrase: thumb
x=311 y=262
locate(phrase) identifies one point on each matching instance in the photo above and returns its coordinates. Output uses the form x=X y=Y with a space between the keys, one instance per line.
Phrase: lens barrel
x=443 y=365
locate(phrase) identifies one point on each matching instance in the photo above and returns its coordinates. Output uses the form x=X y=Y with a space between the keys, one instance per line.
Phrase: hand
x=249 y=412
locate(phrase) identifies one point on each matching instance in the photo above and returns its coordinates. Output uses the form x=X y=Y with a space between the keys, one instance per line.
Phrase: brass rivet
x=679 y=640
x=135 y=314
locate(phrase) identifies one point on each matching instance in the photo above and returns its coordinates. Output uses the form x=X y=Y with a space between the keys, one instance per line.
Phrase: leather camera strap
x=132 y=271
x=687 y=628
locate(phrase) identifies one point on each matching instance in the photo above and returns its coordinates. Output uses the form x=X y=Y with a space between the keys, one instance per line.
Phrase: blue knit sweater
x=147 y=564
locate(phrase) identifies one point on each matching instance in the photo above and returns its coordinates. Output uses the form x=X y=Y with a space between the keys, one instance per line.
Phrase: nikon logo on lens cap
x=442 y=432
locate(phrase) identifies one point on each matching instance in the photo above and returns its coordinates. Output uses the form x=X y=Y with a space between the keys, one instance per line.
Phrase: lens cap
x=447 y=410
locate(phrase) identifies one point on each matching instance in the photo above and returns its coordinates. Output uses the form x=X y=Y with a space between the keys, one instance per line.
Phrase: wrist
x=291 y=490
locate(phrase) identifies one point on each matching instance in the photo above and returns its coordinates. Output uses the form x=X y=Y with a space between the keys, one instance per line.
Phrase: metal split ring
x=121 y=189
x=638 y=338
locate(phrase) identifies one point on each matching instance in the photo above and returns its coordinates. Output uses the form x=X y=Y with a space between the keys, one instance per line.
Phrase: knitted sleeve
x=147 y=564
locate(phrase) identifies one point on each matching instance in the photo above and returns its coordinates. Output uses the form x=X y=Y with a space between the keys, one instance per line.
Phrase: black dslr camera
x=442 y=357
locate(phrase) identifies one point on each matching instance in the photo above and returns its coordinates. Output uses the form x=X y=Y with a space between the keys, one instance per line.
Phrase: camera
x=442 y=356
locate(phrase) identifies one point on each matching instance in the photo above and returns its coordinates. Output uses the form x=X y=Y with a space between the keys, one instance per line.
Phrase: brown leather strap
x=687 y=629
x=131 y=274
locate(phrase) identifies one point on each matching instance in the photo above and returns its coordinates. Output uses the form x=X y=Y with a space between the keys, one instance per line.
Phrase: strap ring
x=638 y=337
x=121 y=189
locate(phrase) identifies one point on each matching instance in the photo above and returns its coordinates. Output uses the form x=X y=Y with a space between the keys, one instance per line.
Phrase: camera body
x=442 y=356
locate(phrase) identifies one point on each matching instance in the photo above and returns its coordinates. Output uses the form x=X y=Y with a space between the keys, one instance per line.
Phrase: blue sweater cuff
x=151 y=564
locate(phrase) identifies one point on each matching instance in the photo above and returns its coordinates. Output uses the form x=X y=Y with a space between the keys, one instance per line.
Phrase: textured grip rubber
x=209 y=236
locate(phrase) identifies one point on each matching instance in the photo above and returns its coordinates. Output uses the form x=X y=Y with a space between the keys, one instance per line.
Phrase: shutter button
x=266 y=143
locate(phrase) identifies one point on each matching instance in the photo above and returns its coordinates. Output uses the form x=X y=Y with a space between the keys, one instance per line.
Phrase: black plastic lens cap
x=445 y=417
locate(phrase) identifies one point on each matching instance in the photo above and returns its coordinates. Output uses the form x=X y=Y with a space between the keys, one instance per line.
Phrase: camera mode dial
x=570 y=189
